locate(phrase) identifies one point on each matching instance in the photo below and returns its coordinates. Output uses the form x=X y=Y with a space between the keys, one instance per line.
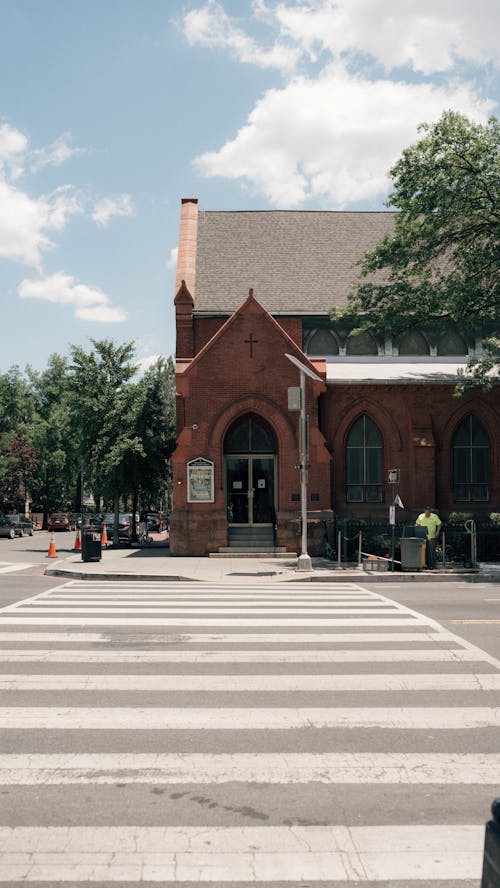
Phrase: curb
x=341 y=577
x=82 y=575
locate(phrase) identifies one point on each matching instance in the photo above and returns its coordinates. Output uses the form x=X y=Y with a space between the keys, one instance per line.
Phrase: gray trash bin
x=91 y=544
x=412 y=553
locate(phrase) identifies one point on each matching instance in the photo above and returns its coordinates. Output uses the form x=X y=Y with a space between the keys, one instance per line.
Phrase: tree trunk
x=116 y=536
x=135 y=509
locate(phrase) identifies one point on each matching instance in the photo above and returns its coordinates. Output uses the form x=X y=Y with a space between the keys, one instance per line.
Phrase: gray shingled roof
x=298 y=262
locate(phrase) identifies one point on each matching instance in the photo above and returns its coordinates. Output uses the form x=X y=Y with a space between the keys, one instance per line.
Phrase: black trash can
x=91 y=544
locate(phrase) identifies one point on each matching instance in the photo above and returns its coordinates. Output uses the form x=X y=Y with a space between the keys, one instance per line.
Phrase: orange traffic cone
x=104 y=536
x=78 y=546
x=52 y=547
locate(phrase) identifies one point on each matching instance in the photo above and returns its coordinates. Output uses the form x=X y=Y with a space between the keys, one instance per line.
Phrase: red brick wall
x=222 y=384
x=417 y=423
x=205 y=328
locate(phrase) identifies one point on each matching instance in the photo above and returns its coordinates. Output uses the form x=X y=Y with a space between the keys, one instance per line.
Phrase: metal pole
x=304 y=561
x=339 y=547
x=393 y=528
x=360 y=546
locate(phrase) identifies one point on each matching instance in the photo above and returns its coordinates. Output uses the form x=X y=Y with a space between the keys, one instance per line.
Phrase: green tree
x=17 y=406
x=156 y=428
x=17 y=414
x=55 y=479
x=18 y=465
x=440 y=265
x=104 y=409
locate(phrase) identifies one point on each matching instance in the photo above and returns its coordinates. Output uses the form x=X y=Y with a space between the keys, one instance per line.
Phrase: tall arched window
x=471 y=462
x=364 y=462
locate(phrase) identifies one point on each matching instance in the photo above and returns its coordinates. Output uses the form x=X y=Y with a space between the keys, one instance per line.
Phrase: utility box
x=91 y=544
x=412 y=553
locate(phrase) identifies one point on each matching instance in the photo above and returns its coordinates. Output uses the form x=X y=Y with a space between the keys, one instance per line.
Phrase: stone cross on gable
x=251 y=342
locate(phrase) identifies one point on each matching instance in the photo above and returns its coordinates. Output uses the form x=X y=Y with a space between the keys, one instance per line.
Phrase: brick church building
x=253 y=289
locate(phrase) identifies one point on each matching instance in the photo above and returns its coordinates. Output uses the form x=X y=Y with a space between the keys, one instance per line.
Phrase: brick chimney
x=186 y=257
x=185 y=278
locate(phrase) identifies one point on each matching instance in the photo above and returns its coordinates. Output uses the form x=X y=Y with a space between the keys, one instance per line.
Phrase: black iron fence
x=376 y=539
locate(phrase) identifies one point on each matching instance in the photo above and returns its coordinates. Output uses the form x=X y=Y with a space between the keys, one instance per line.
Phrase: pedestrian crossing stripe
x=249 y=719
x=239 y=638
x=14 y=617
x=284 y=768
x=262 y=683
x=8 y=567
x=250 y=854
x=203 y=853
x=202 y=611
x=255 y=656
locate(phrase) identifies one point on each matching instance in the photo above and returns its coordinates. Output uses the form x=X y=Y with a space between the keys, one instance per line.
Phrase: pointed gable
x=254 y=339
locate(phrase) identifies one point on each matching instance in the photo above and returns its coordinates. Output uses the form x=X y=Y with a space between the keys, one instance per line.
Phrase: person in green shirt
x=433 y=523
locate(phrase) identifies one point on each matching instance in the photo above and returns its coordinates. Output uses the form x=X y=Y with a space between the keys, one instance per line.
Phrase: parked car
x=125 y=527
x=60 y=521
x=22 y=526
x=93 y=520
x=156 y=522
x=7 y=529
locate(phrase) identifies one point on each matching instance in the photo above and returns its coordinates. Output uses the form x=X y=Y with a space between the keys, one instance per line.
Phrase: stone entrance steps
x=251 y=552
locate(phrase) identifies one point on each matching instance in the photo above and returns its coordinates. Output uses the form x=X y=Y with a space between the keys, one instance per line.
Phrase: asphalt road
x=279 y=735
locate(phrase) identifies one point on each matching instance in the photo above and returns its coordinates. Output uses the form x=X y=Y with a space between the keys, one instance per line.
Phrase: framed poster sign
x=200 y=481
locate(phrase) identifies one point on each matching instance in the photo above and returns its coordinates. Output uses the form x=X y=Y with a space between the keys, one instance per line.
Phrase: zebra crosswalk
x=297 y=735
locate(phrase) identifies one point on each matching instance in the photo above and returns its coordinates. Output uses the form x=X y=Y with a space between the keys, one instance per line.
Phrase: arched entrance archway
x=250 y=468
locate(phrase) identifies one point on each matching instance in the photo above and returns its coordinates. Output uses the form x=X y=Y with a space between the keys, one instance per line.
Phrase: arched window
x=413 y=342
x=364 y=461
x=322 y=342
x=250 y=434
x=361 y=344
x=451 y=343
x=471 y=462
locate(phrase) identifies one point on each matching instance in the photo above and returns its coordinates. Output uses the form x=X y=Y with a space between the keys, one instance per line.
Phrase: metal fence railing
x=463 y=545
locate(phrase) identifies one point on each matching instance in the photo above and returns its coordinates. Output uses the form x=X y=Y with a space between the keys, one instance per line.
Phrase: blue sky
x=111 y=111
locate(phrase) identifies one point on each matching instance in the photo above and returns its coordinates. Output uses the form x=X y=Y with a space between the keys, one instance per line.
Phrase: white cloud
x=332 y=131
x=102 y=314
x=210 y=26
x=332 y=139
x=425 y=35
x=55 y=154
x=91 y=304
x=13 y=145
x=172 y=259
x=118 y=205
x=25 y=222
x=145 y=363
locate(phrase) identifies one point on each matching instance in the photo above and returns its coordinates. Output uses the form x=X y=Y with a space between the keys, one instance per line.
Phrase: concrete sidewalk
x=155 y=563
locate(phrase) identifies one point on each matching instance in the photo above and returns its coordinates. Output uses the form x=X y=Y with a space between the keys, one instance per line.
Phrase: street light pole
x=304 y=560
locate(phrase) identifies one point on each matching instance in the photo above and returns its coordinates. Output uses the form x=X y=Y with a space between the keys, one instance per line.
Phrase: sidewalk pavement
x=155 y=563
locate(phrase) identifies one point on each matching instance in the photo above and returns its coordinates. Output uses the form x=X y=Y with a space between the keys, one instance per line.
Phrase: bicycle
x=143 y=537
